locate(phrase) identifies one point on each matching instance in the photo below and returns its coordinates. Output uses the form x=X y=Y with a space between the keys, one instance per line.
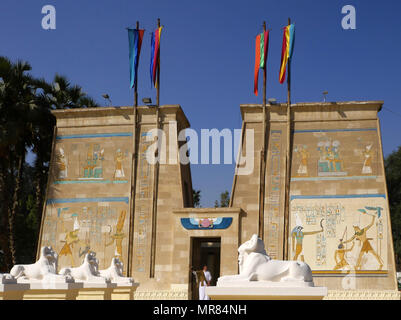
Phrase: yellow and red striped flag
x=287 y=49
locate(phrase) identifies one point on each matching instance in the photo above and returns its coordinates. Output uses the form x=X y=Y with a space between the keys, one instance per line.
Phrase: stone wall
x=339 y=220
x=89 y=203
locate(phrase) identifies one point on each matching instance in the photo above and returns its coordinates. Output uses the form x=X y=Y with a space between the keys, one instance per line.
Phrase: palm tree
x=26 y=123
x=63 y=95
x=17 y=101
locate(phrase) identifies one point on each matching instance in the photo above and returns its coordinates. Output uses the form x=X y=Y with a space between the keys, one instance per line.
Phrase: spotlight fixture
x=272 y=101
x=147 y=100
x=324 y=95
x=107 y=97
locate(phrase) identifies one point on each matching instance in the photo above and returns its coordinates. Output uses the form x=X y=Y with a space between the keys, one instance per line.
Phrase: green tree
x=224 y=200
x=196 y=196
x=26 y=123
x=392 y=165
x=17 y=104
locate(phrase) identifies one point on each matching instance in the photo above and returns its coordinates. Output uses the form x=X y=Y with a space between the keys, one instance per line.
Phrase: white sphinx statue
x=115 y=272
x=256 y=267
x=88 y=271
x=43 y=270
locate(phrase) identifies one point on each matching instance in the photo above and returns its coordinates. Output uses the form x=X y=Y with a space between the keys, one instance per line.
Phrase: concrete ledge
x=51 y=291
x=264 y=284
x=12 y=291
x=124 y=291
x=68 y=291
x=96 y=291
x=266 y=293
x=55 y=286
x=98 y=285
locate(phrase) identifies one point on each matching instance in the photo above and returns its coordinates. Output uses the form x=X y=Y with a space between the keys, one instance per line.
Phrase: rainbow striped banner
x=261 y=46
x=287 y=49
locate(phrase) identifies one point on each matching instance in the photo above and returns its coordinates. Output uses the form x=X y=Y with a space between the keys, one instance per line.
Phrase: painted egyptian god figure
x=256 y=265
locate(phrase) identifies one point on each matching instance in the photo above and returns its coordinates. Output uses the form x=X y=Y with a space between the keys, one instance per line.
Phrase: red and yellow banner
x=286 y=50
x=154 y=54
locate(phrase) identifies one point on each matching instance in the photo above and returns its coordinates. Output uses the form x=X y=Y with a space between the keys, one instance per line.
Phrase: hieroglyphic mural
x=337 y=154
x=273 y=195
x=342 y=232
x=92 y=166
x=95 y=216
x=143 y=221
x=87 y=158
x=76 y=226
x=330 y=162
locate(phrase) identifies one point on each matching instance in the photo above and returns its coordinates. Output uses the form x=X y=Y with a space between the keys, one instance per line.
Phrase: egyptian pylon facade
x=332 y=210
x=327 y=205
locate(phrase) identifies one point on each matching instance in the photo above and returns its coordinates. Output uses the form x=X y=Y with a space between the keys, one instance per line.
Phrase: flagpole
x=136 y=82
x=158 y=73
x=289 y=76
x=288 y=162
x=133 y=174
x=264 y=72
x=156 y=171
x=263 y=153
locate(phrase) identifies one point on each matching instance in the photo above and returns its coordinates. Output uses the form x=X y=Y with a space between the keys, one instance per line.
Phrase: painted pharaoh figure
x=119 y=171
x=361 y=236
x=367 y=163
x=303 y=155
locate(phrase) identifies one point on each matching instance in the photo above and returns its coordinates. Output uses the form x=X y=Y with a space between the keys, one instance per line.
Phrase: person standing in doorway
x=203 y=278
x=202 y=284
x=207 y=274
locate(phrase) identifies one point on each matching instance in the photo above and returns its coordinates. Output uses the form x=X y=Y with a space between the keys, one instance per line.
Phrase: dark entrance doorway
x=205 y=251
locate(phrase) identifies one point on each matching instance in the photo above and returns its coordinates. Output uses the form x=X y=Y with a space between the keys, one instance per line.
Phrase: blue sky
x=207 y=57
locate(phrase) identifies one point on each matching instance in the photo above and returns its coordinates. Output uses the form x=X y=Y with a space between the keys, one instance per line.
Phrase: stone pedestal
x=96 y=291
x=12 y=291
x=52 y=291
x=124 y=291
x=259 y=291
